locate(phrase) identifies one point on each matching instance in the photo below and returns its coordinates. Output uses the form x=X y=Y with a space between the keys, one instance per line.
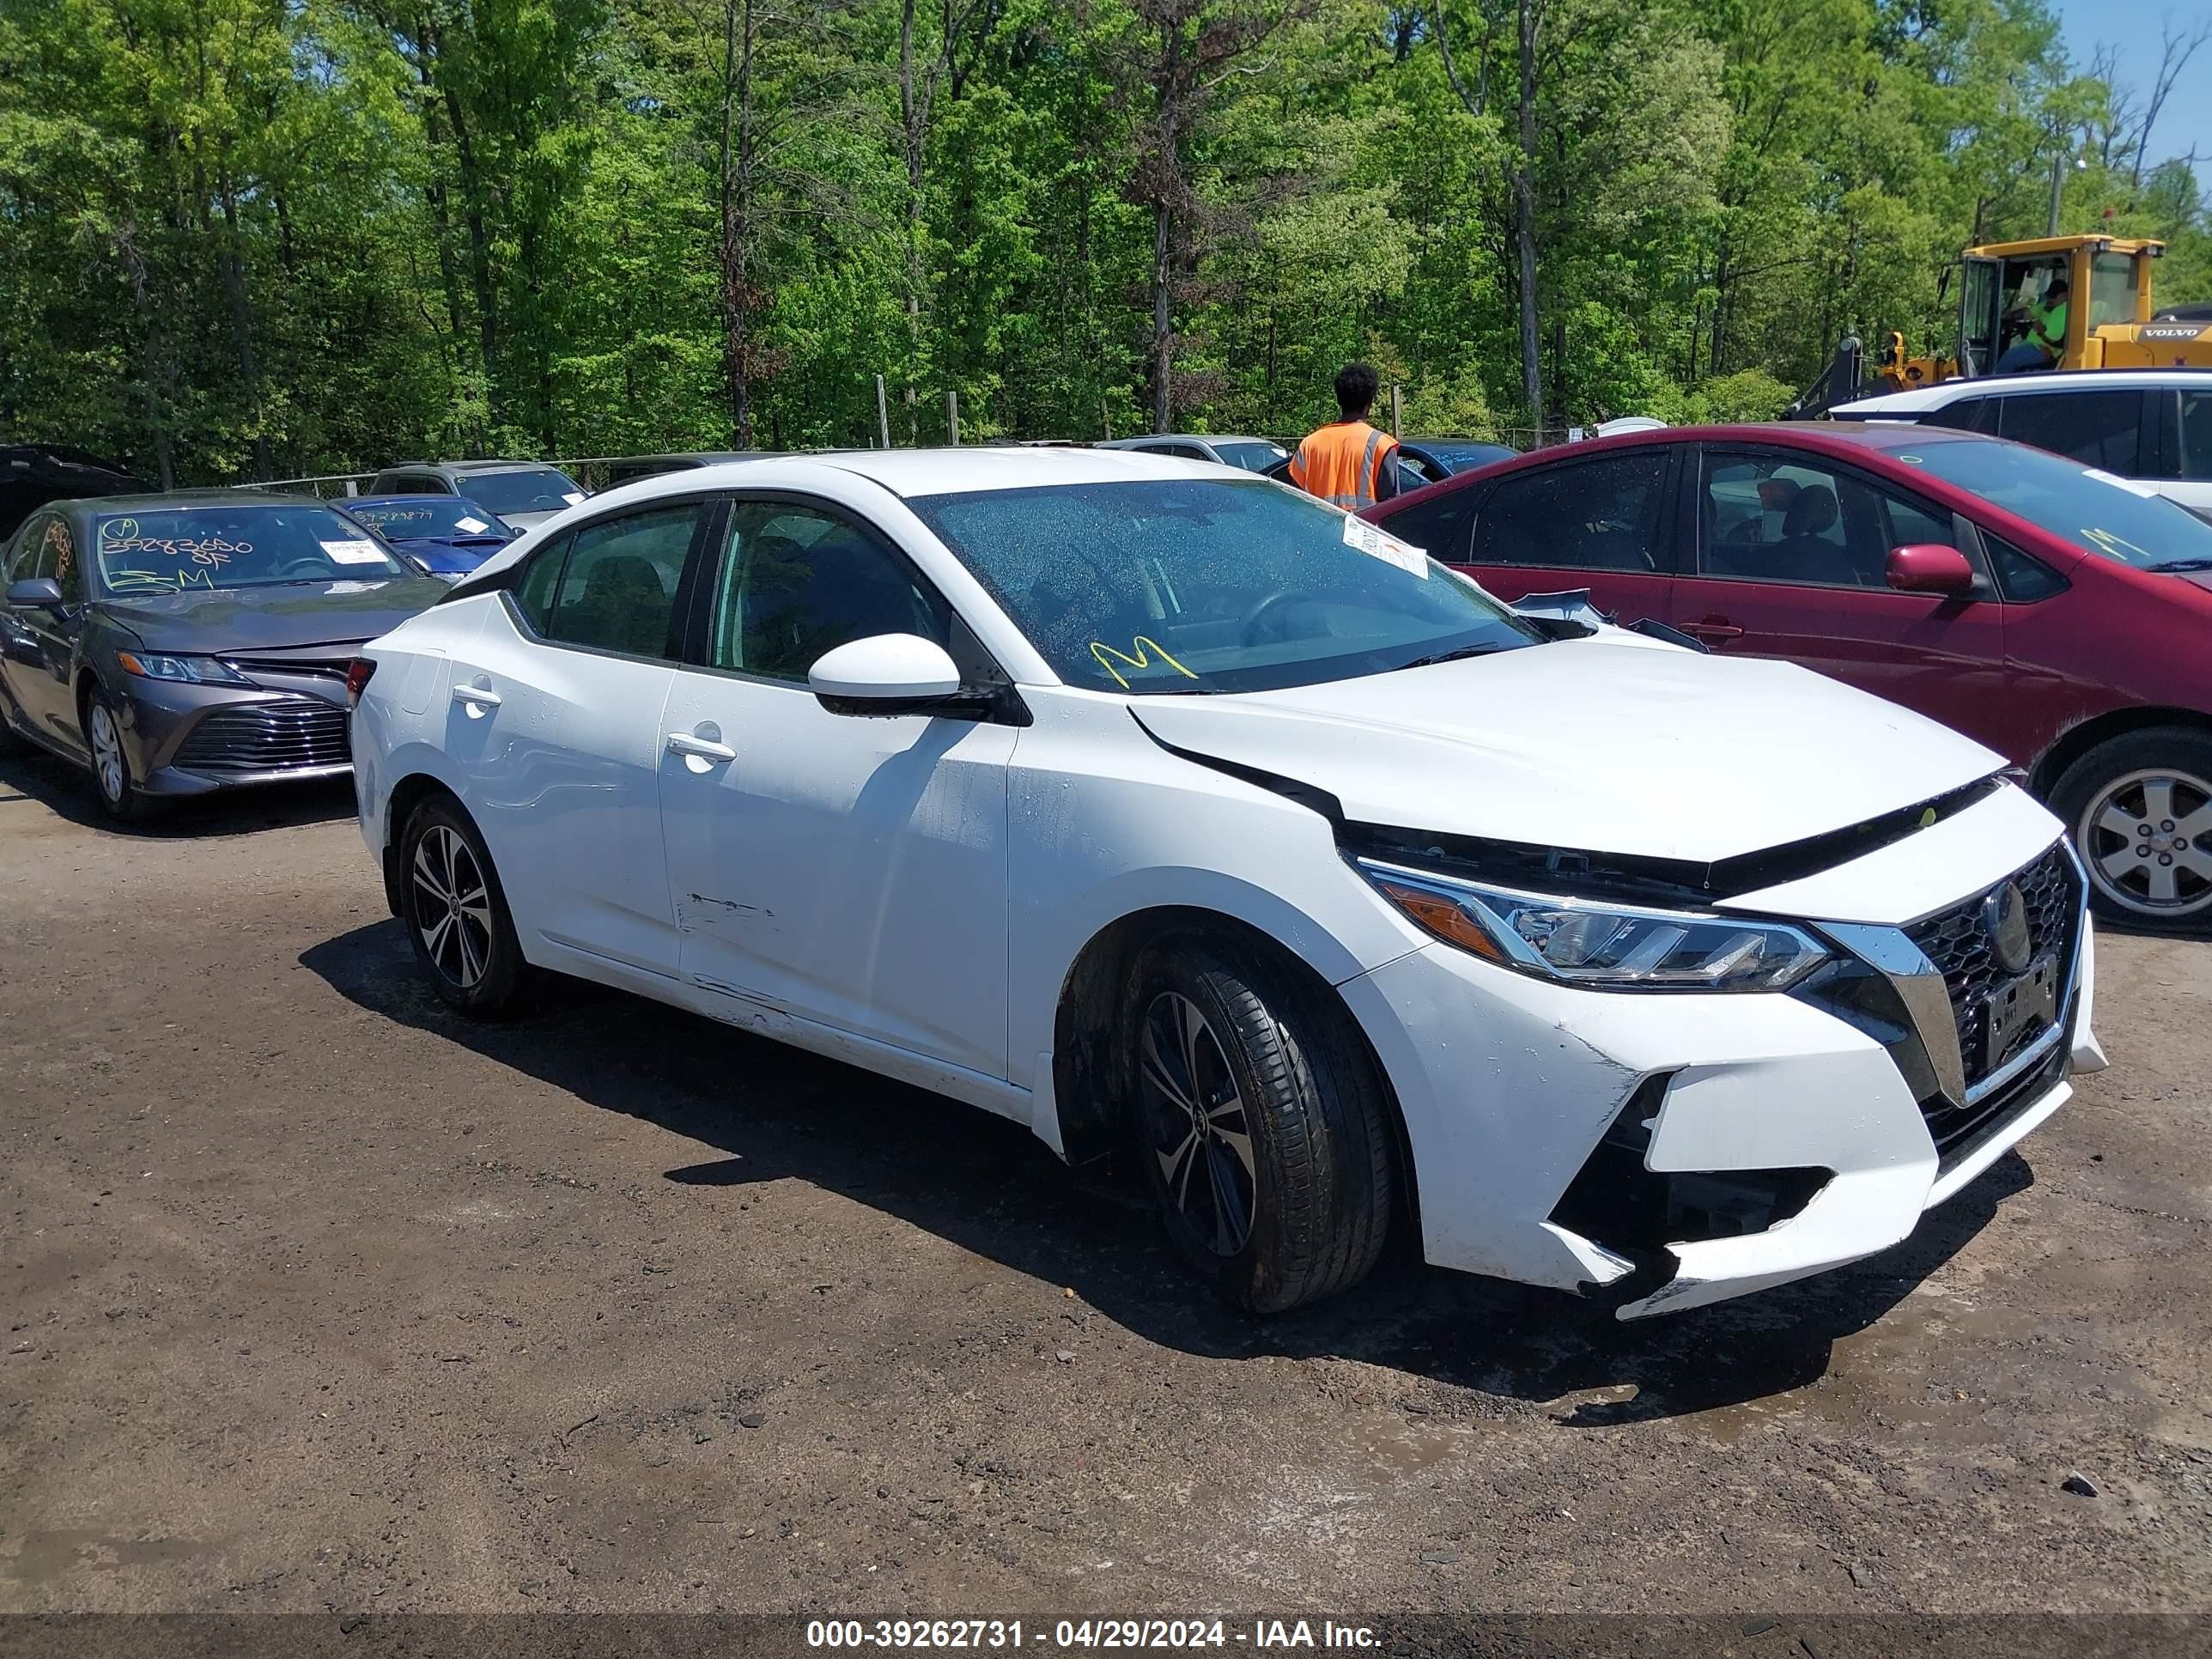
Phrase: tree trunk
x=1524 y=218
x=912 y=121
x=472 y=195
x=232 y=262
x=150 y=336
x=1163 y=353
x=737 y=183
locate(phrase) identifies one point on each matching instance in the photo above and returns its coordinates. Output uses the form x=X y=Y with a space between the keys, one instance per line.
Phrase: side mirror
x=1929 y=567
x=885 y=674
x=35 y=593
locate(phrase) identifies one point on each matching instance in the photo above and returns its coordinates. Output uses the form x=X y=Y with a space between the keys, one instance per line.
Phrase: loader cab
x=2109 y=280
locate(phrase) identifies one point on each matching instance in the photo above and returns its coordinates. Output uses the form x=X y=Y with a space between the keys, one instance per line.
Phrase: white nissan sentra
x=1162 y=808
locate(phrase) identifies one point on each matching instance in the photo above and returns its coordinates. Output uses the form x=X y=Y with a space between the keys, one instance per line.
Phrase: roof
x=911 y=472
x=403 y=500
x=1922 y=398
x=180 y=501
x=465 y=469
x=1183 y=437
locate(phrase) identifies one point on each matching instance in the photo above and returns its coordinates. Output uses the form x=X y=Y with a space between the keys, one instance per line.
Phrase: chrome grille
x=1958 y=945
x=268 y=737
x=326 y=668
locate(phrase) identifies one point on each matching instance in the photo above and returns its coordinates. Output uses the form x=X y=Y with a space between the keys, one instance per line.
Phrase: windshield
x=416 y=517
x=526 y=490
x=1252 y=455
x=2126 y=522
x=158 y=551
x=1199 y=584
x=1462 y=455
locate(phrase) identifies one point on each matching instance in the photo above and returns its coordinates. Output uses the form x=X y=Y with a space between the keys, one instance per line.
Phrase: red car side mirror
x=1929 y=567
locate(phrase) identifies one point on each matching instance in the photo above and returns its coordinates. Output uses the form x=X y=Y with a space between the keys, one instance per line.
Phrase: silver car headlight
x=1601 y=946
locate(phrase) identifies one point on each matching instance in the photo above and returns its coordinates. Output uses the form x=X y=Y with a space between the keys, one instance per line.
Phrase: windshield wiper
x=2176 y=567
x=1457 y=655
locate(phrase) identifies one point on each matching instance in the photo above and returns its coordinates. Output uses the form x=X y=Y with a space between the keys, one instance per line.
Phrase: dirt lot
x=319 y=1299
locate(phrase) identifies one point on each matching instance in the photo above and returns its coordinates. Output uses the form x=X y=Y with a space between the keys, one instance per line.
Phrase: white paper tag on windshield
x=1380 y=544
x=471 y=526
x=354 y=552
x=2146 y=491
x=573 y=497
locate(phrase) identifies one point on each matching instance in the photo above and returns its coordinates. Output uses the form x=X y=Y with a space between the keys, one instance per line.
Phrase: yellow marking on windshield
x=2112 y=544
x=1102 y=651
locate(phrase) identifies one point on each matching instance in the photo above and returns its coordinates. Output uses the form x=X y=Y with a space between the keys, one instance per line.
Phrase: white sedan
x=1164 y=809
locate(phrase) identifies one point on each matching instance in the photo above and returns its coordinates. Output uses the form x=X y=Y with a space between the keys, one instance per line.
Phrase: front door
x=40 y=645
x=1792 y=561
x=555 y=713
x=848 y=871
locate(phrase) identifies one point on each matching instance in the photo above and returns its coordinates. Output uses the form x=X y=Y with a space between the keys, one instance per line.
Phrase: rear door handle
x=1714 y=628
x=476 y=696
x=683 y=743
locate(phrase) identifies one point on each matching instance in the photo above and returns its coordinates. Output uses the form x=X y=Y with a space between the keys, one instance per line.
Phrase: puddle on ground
x=1406 y=1449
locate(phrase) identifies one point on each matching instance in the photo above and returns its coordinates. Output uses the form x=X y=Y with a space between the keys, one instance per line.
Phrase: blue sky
x=2133 y=27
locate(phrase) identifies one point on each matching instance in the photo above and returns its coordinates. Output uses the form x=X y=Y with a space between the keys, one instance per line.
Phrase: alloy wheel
x=2147 y=839
x=453 y=906
x=1199 y=1130
x=107 y=753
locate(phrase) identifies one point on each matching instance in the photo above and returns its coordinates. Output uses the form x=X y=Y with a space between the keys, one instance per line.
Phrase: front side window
x=1600 y=514
x=617 y=590
x=2096 y=510
x=798 y=582
x=1252 y=456
x=2097 y=428
x=1783 y=518
x=1210 y=584
x=1436 y=524
x=523 y=490
x=159 y=551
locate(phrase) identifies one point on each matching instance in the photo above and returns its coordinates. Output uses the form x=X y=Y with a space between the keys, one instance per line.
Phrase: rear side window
x=540 y=577
x=2097 y=428
x=2196 y=435
x=1966 y=414
x=1438 y=525
x=618 y=589
x=1591 y=515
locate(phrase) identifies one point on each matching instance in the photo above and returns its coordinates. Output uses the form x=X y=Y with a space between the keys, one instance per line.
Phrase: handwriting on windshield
x=1145 y=649
x=122 y=536
x=2112 y=544
x=159 y=581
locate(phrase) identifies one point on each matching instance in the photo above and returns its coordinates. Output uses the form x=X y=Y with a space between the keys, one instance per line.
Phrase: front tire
x=1262 y=1122
x=119 y=797
x=2139 y=809
x=456 y=914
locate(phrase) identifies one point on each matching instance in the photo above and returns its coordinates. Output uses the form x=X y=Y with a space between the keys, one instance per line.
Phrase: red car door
x=1792 y=562
x=1598 y=523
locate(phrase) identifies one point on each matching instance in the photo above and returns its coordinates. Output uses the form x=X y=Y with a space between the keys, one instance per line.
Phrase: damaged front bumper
x=1662 y=1151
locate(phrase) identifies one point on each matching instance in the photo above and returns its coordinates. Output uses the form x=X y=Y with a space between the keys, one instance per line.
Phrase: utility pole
x=953 y=417
x=2058 y=190
x=883 y=415
x=1397 y=409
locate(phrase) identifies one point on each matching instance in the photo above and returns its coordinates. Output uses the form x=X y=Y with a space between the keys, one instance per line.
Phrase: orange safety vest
x=1342 y=463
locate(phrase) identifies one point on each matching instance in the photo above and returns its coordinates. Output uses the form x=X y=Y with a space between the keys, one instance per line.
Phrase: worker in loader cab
x=2045 y=339
x=1347 y=463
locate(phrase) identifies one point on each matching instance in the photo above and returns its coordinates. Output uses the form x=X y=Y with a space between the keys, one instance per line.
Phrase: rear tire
x=119 y=797
x=456 y=914
x=2139 y=809
x=1262 y=1122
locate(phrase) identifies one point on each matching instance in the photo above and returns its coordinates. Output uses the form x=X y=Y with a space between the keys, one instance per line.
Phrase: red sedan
x=2055 y=612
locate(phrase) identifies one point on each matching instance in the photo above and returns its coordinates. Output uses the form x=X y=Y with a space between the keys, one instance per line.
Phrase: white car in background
x=1159 y=808
x=2151 y=426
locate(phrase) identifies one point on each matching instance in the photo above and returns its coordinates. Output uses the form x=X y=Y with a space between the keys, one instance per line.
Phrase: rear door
x=554 y=714
x=1601 y=523
x=2100 y=429
x=2191 y=481
x=1792 y=561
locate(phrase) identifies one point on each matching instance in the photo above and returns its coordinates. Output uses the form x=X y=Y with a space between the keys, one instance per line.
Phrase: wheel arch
x=2078 y=741
x=1084 y=1077
x=408 y=795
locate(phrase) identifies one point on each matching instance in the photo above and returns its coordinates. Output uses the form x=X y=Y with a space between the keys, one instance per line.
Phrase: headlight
x=200 y=671
x=1606 y=947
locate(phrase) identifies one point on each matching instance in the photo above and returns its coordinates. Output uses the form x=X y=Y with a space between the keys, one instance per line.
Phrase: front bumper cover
x=1743 y=1097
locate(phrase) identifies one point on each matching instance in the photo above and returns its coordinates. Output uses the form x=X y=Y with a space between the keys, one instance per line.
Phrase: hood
x=450 y=556
x=520 y=522
x=1600 y=744
x=272 y=618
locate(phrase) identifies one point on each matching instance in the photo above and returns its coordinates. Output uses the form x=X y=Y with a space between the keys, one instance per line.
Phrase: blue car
x=450 y=534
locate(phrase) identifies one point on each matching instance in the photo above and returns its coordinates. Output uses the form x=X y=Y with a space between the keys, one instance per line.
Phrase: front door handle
x=476 y=696
x=1713 y=628
x=683 y=743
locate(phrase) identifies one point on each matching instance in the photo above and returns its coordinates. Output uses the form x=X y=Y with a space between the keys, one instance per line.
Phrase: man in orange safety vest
x=1347 y=463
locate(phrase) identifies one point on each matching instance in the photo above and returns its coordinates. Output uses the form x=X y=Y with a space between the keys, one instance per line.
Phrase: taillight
x=357 y=673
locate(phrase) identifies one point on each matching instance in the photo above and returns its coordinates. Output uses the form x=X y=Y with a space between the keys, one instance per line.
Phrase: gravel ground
x=320 y=1300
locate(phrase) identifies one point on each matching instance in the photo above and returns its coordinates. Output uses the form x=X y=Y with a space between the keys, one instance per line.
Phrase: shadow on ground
x=66 y=791
x=770 y=1112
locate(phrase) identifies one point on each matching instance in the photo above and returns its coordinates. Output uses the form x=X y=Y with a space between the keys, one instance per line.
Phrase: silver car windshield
x=1169 y=586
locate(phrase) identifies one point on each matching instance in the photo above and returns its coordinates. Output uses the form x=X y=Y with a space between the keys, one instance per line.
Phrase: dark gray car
x=175 y=644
